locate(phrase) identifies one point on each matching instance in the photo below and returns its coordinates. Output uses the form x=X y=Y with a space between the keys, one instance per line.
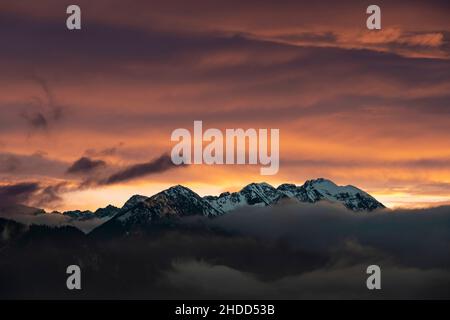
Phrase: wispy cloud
x=17 y=193
x=135 y=171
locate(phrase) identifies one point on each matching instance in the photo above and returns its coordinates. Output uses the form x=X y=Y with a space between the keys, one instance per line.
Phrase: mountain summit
x=263 y=194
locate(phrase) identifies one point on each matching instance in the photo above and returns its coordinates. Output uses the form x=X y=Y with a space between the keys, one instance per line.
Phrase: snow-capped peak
x=263 y=194
x=179 y=201
x=134 y=200
x=328 y=187
x=324 y=189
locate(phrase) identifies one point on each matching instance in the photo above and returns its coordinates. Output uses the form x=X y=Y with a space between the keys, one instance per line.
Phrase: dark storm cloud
x=161 y=164
x=85 y=165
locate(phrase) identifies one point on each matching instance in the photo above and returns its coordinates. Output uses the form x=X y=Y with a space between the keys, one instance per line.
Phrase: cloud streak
x=85 y=165
x=17 y=193
x=158 y=165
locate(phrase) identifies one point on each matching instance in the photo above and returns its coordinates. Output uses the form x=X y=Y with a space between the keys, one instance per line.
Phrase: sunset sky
x=359 y=107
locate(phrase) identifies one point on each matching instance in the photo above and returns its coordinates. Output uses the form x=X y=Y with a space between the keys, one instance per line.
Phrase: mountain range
x=179 y=201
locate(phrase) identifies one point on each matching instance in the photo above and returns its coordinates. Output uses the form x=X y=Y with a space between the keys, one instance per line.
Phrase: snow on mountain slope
x=352 y=197
x=259 y=194
x=179 y=201
x=263 y=194
x=134 y=200
x=176 y=201
x=107 y=212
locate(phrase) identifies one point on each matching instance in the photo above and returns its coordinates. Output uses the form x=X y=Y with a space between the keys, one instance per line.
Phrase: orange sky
x=367 y=108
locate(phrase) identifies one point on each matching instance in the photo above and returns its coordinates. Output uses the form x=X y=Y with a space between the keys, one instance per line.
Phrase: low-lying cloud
x=290 y=251
x=417 y=238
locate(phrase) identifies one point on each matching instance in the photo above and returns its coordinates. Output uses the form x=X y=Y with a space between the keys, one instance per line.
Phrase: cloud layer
x=292 y=251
